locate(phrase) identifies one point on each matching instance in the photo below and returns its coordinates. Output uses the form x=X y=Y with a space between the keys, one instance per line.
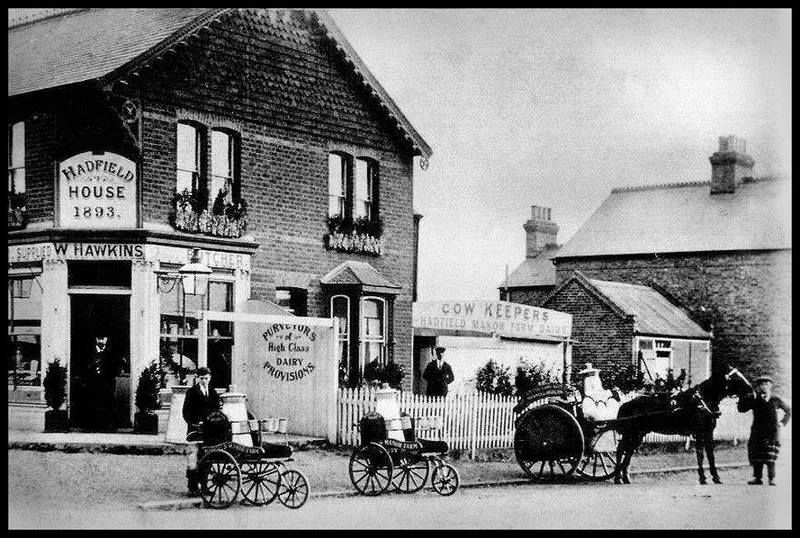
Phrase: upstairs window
x=188 y=158
x=16 y=158
x=338 y=171
x=223 y=168
x=366 y=175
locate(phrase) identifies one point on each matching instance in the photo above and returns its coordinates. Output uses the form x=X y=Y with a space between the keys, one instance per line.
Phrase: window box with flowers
x=360 y=236
x=17 y=210
x=226 y=219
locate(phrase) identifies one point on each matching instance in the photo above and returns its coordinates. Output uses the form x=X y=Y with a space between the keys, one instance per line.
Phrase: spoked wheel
x=548 y=443
x=220 y=479
x=260 y=481
x=600 y=461
x=410 y=473
x=445 y=479
x=371 y=469
x=293 y=489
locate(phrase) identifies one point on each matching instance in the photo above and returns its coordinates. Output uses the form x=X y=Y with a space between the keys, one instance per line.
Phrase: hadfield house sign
x=97 y=190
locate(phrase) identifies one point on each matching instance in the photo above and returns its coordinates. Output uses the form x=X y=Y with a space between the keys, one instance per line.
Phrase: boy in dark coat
x=764 y=443
x=201 y=400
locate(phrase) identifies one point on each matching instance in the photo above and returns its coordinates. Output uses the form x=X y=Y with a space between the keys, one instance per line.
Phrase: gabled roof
x=537 y=271
x=359 y=274
x=73 y=46
x=87 y=44
x=685 y=217
x=652 y=313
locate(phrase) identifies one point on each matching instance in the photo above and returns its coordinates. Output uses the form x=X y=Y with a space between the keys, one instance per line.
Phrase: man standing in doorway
x=438 y=375
x=99 y=384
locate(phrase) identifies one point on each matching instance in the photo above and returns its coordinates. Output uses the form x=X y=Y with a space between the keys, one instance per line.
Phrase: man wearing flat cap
x=438 y=375
x=764 y=443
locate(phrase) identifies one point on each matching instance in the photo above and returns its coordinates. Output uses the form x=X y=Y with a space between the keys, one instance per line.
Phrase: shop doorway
x=100 y=384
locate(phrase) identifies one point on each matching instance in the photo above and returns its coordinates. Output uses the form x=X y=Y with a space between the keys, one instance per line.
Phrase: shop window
x=189 y=158
x=340 y=309
x=338 y=172
x=179 y=333
x=366 y=182
x=23 y=347
x=223 y=169
x=373 y=331
x=16 y=158
x=295 y=300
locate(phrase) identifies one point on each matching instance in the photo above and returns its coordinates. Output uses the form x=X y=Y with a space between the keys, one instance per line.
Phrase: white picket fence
x=478 y=421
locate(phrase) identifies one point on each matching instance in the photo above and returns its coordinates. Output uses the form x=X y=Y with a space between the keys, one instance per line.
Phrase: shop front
x=107 y=310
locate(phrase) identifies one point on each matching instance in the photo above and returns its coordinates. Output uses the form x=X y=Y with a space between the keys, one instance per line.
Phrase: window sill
x=17 y=218
x=354 y=242
x=186 y=220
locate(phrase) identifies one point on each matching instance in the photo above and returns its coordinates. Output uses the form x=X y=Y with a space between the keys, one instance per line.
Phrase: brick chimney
x=541 y=231
x=730 y=165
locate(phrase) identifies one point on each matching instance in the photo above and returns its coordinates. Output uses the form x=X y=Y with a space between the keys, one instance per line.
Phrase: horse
x=693 y=411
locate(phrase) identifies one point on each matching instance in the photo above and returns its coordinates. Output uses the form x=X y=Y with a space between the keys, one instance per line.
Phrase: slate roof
x=685 y=217
x=536 y=271
x=69 y=47
x=88 y=44
x=653 y=314
x=354 y=273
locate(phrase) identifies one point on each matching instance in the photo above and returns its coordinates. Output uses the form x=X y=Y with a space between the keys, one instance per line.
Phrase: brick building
x=617 y=323
x=255 y=135
x=719 y=249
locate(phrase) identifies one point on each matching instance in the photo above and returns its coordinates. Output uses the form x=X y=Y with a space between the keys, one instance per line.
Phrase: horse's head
x=736 y=384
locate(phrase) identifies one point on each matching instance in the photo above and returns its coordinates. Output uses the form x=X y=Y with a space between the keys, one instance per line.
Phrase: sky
x=557 y=107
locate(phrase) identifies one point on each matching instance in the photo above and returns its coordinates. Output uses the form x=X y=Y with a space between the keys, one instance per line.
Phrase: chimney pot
x=730 y=165
x=540 y=230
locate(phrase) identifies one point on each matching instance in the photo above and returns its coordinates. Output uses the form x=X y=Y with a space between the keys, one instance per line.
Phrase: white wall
x=466 y=354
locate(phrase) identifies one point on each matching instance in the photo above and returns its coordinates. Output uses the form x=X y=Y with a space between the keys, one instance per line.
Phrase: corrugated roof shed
x=537 y=271
x=653 y=313
x=685 y=217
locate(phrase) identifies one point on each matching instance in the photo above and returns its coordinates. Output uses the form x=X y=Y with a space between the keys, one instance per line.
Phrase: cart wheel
x=293 y=489
x=600 y=461
x=548 y=443
x=445 y=479
x=220 y=479
x=371 y=469
x=260 y=481
x=410 y=473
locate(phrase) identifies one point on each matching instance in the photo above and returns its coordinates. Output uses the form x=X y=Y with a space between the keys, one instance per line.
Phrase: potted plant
x=145 y=420
x=55 y=394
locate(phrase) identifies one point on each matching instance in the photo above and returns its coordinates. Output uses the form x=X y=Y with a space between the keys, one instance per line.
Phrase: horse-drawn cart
x=554 y=438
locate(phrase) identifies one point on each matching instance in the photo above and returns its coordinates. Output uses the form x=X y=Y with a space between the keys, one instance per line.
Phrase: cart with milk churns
x=561 y=430
x=390 y=453
x=233 y=460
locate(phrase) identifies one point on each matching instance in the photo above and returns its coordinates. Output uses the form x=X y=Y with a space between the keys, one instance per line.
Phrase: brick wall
x=533 y=296
x=747 y=296
x=602 y=336
x=291 y=98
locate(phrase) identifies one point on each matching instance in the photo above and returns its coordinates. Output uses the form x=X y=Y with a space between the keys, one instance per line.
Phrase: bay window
x=373 y=331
